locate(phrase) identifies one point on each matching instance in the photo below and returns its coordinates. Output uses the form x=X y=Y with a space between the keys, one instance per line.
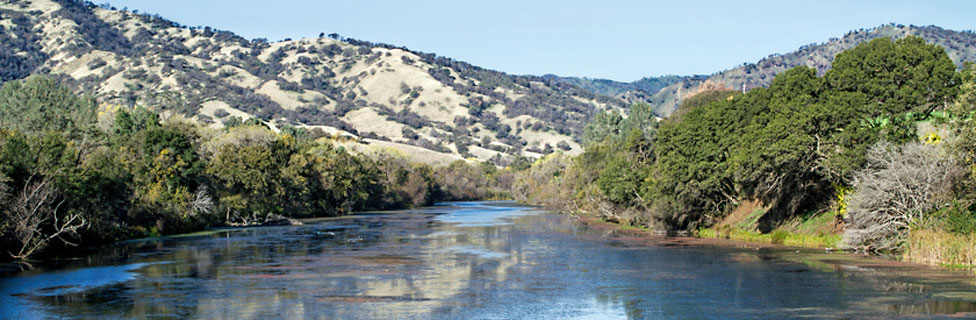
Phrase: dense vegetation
x=73 y=172
x=847 y=144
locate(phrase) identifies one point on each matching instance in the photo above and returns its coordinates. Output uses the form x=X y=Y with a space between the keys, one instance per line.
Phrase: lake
x=473 y=260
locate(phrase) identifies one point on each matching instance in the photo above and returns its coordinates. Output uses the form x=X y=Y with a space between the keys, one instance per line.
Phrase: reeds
x=941 y=248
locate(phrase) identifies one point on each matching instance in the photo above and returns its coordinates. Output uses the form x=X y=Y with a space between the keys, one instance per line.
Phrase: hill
x=665 y=93
x=341 y=86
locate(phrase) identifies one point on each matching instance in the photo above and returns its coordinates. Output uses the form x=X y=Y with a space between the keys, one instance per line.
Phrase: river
x=473 y=260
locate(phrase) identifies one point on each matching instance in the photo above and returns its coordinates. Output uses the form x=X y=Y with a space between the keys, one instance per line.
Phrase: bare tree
x=899 y=185
x=34 y=218
x=202 y=203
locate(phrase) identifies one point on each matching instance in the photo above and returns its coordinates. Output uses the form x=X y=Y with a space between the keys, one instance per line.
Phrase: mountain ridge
x=960 y=45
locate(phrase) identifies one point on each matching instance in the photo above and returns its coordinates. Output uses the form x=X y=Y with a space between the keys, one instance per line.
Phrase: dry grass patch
x=941 y=248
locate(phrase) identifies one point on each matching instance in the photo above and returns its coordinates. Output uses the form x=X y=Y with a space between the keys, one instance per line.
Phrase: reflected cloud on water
x=470 y=260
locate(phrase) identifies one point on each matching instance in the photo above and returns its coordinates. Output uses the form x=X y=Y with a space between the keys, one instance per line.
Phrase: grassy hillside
x=341 y=86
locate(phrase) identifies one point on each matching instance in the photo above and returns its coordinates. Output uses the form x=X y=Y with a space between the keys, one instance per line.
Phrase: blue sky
x=619 y=40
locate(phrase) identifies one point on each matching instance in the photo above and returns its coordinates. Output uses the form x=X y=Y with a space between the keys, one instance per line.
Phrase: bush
x=96 y=63
x=897 y=188
x=564 y=145
x=959 y=219
x=409 y=134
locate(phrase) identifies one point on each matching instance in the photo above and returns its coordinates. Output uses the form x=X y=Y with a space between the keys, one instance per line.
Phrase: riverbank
x=709 y=236
x=779 y=237
x=925 y=247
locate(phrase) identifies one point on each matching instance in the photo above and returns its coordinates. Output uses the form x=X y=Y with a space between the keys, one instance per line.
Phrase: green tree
x=900 y=76
x=778 y=156
x=247 y=176
x=641 y=118
x=38 y=103
x=138 y=119
x=604 y=125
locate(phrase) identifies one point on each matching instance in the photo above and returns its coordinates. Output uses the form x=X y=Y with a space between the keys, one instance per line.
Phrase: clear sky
x=619 y=40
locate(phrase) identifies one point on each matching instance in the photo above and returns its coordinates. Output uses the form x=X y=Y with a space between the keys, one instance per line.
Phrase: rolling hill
x=425 y=105
x=378 y=93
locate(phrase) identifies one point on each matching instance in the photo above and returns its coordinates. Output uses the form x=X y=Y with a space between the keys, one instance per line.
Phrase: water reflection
x=472 y=260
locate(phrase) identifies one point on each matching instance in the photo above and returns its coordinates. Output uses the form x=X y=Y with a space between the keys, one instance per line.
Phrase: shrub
x=564 y=145
x=958 y=219
x=96 y=63
x=896 y=189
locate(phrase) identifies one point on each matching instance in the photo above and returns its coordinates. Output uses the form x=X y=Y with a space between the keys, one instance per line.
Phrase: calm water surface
x=477 y=260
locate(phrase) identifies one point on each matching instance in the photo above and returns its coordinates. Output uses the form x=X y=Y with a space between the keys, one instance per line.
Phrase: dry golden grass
x=941 y=248
x=369 y=78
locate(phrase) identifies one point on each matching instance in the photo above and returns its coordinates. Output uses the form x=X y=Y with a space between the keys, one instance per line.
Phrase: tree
x=462 y=181
x=169 y=174
x=41 y=172
x=247 y=176
x=897 y=188
x=611 y=125
x=39 y=103
x=693 y=176
x=641 y=118
x=900 y=76
x=233 y=121
x=36 y=219
x=778 y=157
x=619 y=181
x=964 y=122
x=128 y=122
x=603 y=125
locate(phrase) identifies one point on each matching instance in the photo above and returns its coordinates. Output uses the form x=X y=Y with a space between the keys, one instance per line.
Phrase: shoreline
x=803 y=254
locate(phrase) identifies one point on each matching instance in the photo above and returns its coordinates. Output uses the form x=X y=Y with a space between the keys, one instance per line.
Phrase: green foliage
x=520 y=163
x=779 y=236
x=461 y=180
x=138 y=177
x=752 y=221
x=604 y=125
x=692 y=158
x=619 y=181
x=788 y=146
x=611 y=125
x=233 y=121
x=551 y=181
x=129 y=122
x=702 y=99
x=964 y=124
x=958 y=219
x=899 y=76
x=40 y=103
x=641 y=118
